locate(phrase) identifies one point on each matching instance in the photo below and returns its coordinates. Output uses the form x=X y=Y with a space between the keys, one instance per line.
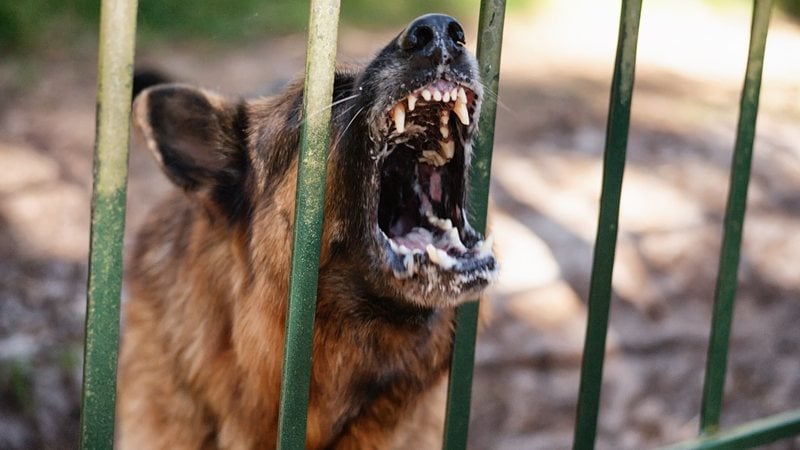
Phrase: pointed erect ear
x=188 y=130
x=199 y=139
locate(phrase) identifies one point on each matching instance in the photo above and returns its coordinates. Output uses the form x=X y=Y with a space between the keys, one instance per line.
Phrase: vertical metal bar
x=490 y=40
x=606 y=239
x=725 y=294
x=309 y=206
x=115 y=73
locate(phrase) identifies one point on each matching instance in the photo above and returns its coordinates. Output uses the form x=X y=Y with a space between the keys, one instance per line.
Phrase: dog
x=201 y=358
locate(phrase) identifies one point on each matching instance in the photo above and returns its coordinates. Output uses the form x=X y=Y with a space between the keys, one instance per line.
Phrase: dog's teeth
x=439 y=257
x=426 y=94
x=412 y=101
x=408 y=262
x=445 y=130
x=431 y=157
x=437 y=95
x=446 y=97
x=455 y=239
x=452 y=234
x=460 y=109
x=447 y=149
x=445 y=117
x=403 y=250
x=432 y=253
x=399 y=117
x=444 y=260
x=447 y=225
x=437 y=158
x=454 y=95
x=462 y=95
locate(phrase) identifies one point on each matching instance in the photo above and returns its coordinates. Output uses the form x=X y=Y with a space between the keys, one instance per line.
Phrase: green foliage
x=16 y=384
x=791 y=7
x=31 y=25
x=24 y=25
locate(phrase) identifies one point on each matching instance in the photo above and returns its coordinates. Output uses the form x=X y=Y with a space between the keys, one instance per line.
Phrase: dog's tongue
x=433 y=178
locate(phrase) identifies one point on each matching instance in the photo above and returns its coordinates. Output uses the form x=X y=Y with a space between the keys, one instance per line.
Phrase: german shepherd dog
x=203 y=343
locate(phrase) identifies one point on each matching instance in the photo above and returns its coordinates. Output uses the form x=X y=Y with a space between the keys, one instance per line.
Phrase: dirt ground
x=546 y=178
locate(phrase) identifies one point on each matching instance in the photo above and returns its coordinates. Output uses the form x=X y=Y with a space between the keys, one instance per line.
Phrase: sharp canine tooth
x=446 y=97
x=444 y=258
x=460 y=109
x=455 y=239
x=437 y=95
x=452 y=234
x=399 y=116
x=432 y=253
x=412 y=101
x=448 y=149
x=445 y=130
x=462 y=95
x=426 y=94
x=408 y=261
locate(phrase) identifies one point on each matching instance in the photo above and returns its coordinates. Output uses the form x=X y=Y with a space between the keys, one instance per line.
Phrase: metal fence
x=117 y=33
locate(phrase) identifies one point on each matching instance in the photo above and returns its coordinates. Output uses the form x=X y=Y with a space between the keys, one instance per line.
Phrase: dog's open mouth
x=422 y=178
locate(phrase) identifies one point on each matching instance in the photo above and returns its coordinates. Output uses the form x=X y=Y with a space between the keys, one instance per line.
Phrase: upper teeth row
x=456 y=95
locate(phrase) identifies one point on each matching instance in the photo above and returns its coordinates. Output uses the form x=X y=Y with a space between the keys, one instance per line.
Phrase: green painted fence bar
x=752 y=434
x=490 y=40
x=717 y=360
x=310 y=203
x=115 y=73
x=605 y=244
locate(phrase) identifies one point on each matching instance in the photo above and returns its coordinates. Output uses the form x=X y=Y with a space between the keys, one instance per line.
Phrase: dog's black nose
x=434 y=38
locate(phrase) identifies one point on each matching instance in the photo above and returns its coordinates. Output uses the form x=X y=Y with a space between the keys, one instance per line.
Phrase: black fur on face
x=403 y=147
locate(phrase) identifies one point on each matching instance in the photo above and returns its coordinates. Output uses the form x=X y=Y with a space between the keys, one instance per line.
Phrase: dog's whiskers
x=349 y=124
x=490 y=93
x=332 y=104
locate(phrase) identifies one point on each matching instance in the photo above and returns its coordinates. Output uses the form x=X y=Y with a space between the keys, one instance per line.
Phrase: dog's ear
x=145 y=78
x=199 y=139
x=190 y=132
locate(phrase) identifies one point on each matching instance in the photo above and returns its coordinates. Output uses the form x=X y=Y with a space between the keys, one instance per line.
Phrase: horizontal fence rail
x=306 y=238
x=749 y=435
x=459 y=392
x=114 y=80
x=619 y=113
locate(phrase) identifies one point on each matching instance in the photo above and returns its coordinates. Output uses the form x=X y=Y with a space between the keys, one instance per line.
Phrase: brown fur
x=203 y=340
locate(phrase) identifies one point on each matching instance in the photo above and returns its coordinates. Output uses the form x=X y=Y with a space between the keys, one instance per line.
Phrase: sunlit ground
x=557 y=66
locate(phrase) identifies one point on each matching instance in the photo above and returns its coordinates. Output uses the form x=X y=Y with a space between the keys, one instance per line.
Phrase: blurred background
x=556 y=71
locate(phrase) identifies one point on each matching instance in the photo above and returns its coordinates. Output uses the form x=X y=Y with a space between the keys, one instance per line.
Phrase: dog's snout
x=434 y=38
